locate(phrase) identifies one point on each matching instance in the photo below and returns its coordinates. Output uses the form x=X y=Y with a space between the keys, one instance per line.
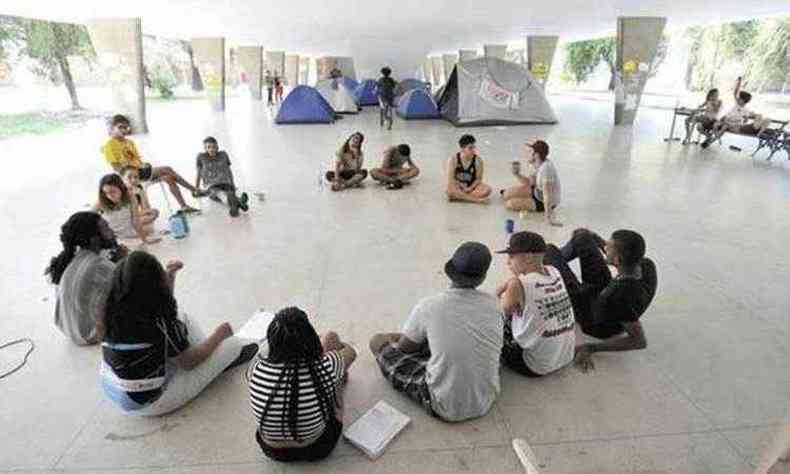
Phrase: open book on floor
x=374 y=430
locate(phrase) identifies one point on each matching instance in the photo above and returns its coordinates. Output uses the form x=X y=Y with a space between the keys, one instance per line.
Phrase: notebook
x=255 y=329
x=374 y=430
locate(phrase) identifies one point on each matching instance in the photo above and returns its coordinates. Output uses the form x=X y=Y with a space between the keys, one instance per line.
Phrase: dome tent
x=304 y=104
x=338 y=96
x=366 y=93
x=417 y=104
x=491 y=91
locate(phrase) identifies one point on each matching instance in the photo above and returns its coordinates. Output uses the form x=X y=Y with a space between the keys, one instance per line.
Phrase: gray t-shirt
x=214 y=171
x=547 y=173
x=463 y=328
x=82 y=295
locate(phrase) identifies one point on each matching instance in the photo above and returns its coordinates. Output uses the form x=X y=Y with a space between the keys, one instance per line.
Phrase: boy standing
x=213 y=168
x=386 y=90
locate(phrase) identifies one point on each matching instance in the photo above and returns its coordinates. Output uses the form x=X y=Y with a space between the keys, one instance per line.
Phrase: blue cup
x=510 y=226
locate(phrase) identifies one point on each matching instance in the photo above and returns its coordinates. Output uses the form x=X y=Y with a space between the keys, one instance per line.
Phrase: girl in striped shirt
x=295 y=390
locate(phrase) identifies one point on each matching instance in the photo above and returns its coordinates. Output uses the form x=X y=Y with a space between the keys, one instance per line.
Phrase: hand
x=224 y=331
x=337 y=186
x=583 y=359
x=174 y=266
x=121 y=251
x=501 y=289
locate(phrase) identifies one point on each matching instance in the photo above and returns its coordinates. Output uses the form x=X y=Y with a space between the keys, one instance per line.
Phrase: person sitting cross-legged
x=296 y=390
x=539 y=324
x=348 y=172
x=606 y=307
x=447 y=356
x=465 y=174
x=397 y=167
x=83 y=272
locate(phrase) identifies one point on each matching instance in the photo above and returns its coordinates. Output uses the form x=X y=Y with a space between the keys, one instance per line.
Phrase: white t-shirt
x=545 y=328
x=463 y=328
x=547 y=173
x=737 y=115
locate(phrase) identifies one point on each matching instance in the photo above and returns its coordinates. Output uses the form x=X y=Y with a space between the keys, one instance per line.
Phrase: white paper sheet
x=255 y=329
x=374 y=430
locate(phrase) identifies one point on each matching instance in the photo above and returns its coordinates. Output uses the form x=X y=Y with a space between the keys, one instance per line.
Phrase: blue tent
x=350 y=83
x=366 y=93
x=406 y=85
x=305 y=105
x=417 y=104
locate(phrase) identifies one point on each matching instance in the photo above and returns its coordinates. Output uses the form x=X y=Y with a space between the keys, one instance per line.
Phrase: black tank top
x=466 y=176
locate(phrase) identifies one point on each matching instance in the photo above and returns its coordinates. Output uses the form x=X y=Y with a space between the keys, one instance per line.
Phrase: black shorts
x=345 y=175
x=706 y=123
x=145 y=172
x=318 y=450
x=513 y=355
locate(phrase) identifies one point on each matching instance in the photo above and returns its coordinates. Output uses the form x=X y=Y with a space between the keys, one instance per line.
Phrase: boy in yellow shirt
x=120 y=152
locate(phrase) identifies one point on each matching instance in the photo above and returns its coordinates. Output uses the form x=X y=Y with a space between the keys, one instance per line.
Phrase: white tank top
x=120 y=221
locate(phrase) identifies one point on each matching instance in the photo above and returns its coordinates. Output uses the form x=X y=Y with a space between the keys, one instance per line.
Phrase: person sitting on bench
x=397 y=168
x=605 y=307
x=735 y=120
x=705 y=115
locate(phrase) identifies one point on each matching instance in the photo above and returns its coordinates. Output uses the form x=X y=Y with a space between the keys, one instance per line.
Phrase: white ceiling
x=402 y=31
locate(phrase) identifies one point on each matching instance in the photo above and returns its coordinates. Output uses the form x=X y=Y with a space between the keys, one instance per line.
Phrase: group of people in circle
x=447 y=356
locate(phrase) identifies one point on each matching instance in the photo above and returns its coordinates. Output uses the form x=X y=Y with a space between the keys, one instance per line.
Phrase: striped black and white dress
x=310 y=421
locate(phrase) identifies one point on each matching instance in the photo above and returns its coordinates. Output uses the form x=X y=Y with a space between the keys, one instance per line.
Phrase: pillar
x=540 y=53
x=495 y=50
x=304 y=70
x=251 y=61
x=210 y=58
x=637 y=42
x=466 y=54
x=119 y=49
x=448 y=63
x=436 y=70
x=275 y=62
x=427 y=70
x=292 y=69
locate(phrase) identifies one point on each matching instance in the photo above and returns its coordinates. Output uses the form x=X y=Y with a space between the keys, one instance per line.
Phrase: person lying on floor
x=465 y=174
x=349 y=159
x=213 y=169
x=83 y=272
x=154 y=360
x=397 y=167
x=296 y=390
x=539 y=191
x=447 y=356
x=539 y=333
x=605 y=307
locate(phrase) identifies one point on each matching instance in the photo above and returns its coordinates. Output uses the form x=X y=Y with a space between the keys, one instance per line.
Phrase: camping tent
x=350 y=83
x=491 y=91
x=417 y=104
x=305 y=105
x=338 y=96
x=366 y=93
x=408 y=84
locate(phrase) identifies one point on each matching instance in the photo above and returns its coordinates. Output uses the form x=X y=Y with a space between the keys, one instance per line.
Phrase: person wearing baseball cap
x=538 y=192
x=539 y=335
x=447 y=356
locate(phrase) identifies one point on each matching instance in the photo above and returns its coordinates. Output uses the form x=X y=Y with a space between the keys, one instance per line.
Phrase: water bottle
x=510 y=227
x=320 y=180
x=179 y=226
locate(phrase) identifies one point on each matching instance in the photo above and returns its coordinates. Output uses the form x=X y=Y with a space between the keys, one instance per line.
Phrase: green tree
x=584 y=56
x=50 y=44
x=768 y=58
x=713 y=46
x=10 y=33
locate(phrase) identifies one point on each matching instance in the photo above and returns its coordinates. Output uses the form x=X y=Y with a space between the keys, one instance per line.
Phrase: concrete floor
x=705 y=397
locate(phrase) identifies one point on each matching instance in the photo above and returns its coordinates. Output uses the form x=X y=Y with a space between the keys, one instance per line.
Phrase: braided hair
x=294 y=343
x=78 y=231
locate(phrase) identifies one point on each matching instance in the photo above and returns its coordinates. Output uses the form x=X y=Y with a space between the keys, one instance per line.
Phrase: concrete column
x=251 y=61
x=304 y=70
x=119 y=48
x=275 y=62
x=637 y=41
x=436 y=70
x=466 y=54
x=494 y=50
x=448 y=63
x=292 y=69
x=540 y=53
x=210 y=58
x=427 y=70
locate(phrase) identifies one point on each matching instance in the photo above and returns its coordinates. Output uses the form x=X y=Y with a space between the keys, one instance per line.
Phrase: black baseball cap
x=525 y=242
x=469 y=264
x=540 y=147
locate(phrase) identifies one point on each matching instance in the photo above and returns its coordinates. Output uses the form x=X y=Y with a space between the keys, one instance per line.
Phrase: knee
x=376 y=343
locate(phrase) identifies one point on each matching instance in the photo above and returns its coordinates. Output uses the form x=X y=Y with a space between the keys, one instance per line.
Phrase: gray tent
x=491 y=91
